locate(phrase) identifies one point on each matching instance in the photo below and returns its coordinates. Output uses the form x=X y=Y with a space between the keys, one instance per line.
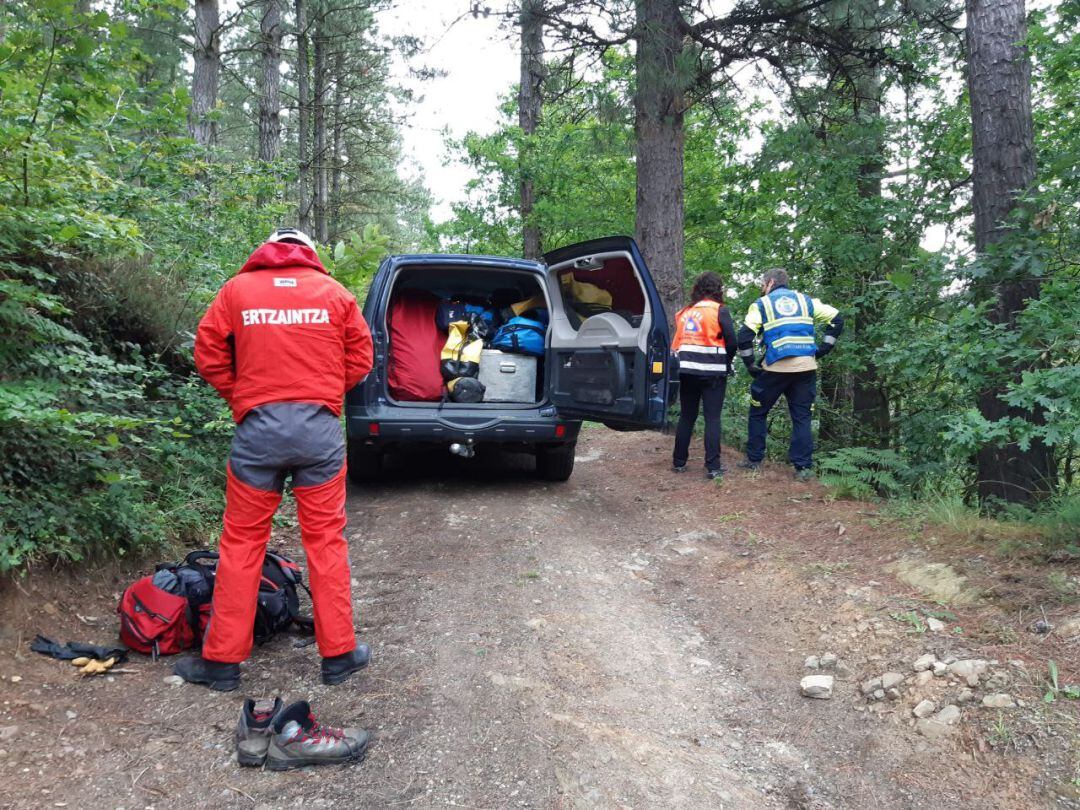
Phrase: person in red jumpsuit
x=282 y=343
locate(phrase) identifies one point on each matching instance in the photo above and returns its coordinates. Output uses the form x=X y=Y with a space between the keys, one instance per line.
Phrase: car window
x=612 y=287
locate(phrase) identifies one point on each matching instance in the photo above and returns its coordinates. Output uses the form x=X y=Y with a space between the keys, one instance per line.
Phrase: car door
x=608 y=343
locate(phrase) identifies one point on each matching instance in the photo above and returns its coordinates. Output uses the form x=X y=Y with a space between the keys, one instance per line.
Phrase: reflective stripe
x=770 y=316
x=784 y=341
x=785 y=321
x=690 y=365
x=830 y=339
x=692 y=347
x=746 y=352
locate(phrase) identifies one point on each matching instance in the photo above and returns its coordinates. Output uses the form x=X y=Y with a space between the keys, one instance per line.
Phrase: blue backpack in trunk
x=522 y=335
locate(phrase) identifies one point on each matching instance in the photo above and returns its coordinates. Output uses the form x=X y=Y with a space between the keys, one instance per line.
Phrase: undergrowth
x=110 y=443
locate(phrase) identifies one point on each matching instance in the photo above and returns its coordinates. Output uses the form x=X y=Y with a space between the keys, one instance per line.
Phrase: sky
x=480 y=61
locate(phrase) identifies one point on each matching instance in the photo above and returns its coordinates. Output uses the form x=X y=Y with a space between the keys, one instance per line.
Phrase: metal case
x=508 y=377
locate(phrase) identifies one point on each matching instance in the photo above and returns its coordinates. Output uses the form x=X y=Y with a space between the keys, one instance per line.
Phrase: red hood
x=280 y=255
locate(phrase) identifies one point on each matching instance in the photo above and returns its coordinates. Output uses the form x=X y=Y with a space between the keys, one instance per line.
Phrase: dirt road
x=630 y=639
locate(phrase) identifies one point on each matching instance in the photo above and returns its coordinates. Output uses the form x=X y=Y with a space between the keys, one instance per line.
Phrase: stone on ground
x=924 y=662
x=998 y=701
x=817 y=686
x=925 y=708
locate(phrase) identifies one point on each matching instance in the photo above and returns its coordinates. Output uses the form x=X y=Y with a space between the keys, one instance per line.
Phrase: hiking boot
x=215 y=674
x=749 y=466
x=337 y=668
x=677 y=468
x=804 y=475
x=712 y=475
x=254 y=730
x=299 y=740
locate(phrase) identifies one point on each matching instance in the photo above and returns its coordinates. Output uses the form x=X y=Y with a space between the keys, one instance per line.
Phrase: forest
x=915 y=164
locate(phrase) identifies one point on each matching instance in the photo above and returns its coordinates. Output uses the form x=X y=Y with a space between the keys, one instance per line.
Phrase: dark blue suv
x=607 y=363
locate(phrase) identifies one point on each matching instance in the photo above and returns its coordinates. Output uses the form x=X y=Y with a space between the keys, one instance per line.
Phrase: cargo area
x=423 y=300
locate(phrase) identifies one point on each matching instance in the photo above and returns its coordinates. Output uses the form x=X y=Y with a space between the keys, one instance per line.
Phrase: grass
x=912 y=619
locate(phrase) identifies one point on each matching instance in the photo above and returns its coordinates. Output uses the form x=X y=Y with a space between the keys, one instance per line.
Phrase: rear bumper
x=383 y=425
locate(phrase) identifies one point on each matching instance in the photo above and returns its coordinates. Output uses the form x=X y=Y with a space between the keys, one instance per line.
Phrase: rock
x=1042 y=626
x=934 y=625
x=879 y=694
x=827 y=661
x=998 y=701
x=892 y=694
x=812 y=662
x=950 y=715
x=932 y=729
x=969 y=668
x=15 y=678
x=870 y=686
x=938 y=581
x=173 y=680
x=965 y=696
x=7 y=732
x=923 y=678
x=536 y=624
x=817 y=686
x=924 y=662
x=890 y=680
x=997 y=681
x=940 y=668
x=925 y=708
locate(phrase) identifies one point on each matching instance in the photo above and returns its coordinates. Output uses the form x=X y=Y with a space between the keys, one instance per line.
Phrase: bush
x=110 y=442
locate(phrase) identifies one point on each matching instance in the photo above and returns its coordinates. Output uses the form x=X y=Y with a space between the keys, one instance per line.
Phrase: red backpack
x=154 y=621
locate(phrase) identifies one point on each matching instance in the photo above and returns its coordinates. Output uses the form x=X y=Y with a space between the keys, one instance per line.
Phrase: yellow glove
x=91 y=666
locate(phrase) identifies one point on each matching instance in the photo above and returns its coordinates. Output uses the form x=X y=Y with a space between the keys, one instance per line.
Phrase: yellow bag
x=536 y=302
x=461 y=353
x=589 y=296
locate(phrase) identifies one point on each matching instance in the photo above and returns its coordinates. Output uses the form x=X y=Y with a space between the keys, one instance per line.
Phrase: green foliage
x=355 y=259
x=862 y=472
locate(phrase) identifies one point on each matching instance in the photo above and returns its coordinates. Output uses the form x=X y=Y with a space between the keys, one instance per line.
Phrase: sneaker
x=678 y=468
x=712 y=475
x=804 y=475
x=216 y=675
x=254 y=730
x=339 y=667
x=751 y=466
x=300 y=740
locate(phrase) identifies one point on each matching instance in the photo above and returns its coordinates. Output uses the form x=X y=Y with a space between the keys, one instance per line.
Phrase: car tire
x=555 y=462
x=365 y=464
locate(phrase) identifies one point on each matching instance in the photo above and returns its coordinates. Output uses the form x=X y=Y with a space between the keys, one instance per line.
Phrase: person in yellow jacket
x=704 y=343
x=785 y=321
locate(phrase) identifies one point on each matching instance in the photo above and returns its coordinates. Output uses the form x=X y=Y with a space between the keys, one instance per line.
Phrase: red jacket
x=282 y=330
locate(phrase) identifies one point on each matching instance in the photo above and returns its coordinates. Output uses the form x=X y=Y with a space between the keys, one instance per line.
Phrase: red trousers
x=248 y=513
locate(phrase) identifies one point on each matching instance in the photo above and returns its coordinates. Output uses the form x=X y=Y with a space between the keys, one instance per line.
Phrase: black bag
x=279 y=598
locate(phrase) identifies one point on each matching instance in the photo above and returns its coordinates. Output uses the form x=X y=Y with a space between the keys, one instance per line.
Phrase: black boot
x=216 y=675
x=337 y=668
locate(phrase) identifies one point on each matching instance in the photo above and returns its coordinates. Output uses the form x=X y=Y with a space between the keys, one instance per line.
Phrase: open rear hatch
x=608 y=356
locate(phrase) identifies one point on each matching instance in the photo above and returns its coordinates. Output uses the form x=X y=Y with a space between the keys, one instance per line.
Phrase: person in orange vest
x=705 y=345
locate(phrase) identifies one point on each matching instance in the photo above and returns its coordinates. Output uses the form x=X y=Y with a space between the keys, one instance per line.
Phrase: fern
x=863 y=473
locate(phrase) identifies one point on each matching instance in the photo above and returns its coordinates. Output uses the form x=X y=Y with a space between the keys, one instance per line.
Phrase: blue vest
x=787 y=325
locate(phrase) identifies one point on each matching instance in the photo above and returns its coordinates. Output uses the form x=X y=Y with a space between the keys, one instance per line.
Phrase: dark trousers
x=696 y=390
x=800 y=389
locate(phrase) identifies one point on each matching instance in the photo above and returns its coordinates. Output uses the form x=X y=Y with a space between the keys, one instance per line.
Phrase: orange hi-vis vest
x=699 y=341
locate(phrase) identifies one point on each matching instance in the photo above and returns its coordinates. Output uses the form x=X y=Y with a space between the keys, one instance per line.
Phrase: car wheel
x=365 y=463
x=555 y=463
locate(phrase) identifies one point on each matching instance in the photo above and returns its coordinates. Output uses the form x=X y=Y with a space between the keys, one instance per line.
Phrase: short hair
x=778 y=276
x=708 y=286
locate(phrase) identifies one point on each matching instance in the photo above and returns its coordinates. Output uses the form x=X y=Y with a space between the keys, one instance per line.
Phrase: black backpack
x=279 y=598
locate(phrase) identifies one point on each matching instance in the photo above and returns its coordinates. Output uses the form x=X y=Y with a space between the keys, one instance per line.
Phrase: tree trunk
x=999 y=84
x=319 y=152
x=206 y=72
x=303 y=134
x=869 y=402
x=659 y=106
x=270 y=82
x=339 y=137
x=530 y=104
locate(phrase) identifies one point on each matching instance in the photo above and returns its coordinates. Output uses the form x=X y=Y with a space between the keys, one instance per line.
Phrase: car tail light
x=373 y=428
x=560 y=431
